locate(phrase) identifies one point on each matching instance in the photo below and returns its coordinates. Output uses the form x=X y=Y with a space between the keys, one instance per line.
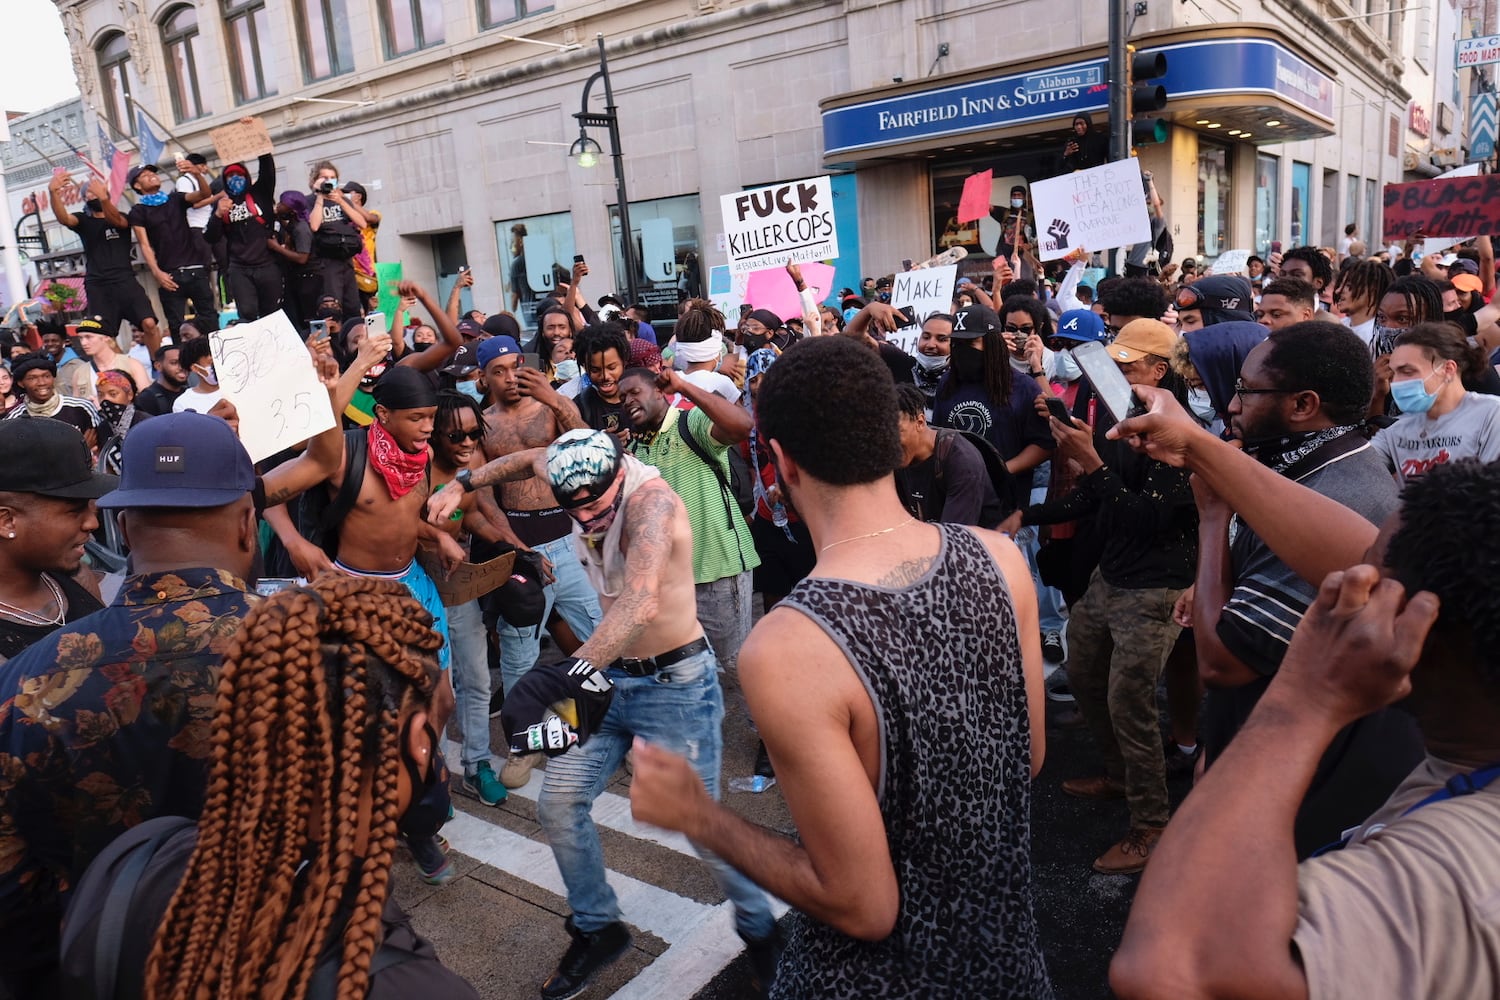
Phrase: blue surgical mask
x=236 y=184
x=1411 y=395
x=1065 y=368
x=471 y=389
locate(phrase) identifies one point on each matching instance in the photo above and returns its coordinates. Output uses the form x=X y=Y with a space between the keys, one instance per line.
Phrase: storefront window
x=1370 y=232
x=1351 y=201
x=535 y=254
x=1213 y=198
x=1267 y=202
x=1301 y=193
x=981 y=238
x=667 y=254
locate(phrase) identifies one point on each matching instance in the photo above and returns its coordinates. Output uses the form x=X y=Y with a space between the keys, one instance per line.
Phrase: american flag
x=119 y=163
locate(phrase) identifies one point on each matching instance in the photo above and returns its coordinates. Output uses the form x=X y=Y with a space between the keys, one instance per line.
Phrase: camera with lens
x=325 y=186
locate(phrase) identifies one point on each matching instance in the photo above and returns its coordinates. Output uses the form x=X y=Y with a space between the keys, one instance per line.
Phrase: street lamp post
x=586 y=151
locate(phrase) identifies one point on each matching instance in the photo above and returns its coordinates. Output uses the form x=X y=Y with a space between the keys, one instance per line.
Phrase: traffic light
x=1146 y=97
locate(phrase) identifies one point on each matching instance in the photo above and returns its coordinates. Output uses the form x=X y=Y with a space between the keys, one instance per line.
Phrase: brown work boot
x=1131 y=854
x=1098 y=787
x=516 y=770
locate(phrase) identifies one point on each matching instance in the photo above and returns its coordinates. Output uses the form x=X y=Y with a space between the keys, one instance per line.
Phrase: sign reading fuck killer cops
x=779 y=225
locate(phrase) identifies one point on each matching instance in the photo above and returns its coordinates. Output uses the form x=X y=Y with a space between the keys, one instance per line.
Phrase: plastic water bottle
x=754 y=783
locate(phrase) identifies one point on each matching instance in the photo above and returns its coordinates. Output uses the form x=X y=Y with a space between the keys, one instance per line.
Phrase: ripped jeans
x=680 y=708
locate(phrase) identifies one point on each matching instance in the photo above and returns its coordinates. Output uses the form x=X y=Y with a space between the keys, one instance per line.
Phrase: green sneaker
x=483 y=785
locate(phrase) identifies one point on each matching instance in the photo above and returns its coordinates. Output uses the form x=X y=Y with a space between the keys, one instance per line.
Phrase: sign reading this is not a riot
x=780 y=224
x=1100 y=208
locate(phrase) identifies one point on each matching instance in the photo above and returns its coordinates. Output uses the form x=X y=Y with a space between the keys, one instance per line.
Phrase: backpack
x=1000 y=477
x=740 y=486
x=317 y=516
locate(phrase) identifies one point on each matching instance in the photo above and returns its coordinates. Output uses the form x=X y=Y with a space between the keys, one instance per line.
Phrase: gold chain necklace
x=870 y=534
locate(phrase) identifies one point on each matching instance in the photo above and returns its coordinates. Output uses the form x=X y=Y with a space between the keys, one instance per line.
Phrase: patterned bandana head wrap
x=400 y=470
x=581 y=460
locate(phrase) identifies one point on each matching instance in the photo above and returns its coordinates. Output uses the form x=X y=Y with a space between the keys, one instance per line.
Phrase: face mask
x=568 y=369
x=1065 y=368
x=154 y=199
x=596 y=528
x=930 y=363
x=430 y=801
x=94 y=205
x=235 y=184
x=1411 y=395
x=968 y=365
x=472 y=390
x=208 y=375
x=1202 y=406
x=1383 y=340
x=1017 y=202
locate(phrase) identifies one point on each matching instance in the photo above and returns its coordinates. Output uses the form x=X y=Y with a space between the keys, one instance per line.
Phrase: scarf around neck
x=48 y=409
x=400 y=470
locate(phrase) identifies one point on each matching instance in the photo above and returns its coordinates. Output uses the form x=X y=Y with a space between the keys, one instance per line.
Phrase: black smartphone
x=1059 y=409
x=578 y=258
x=908 y=316
x=531 y=361
x=1108 y=381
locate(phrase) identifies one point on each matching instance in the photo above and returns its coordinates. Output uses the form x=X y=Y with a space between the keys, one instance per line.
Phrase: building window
x=493 y=12
x=1267 y=202
x=410 y=25
x=664 y=233
x=245 y=24
x=114 y=78
x=327 y=49
x=1213 y=198
x=1301 y=203
x=179 y=38
x=535 y=254
x=1372 y=230
x=1351 y=200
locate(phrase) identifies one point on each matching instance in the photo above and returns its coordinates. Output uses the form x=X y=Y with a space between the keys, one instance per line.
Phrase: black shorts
x=783 y=561
x=114 y=300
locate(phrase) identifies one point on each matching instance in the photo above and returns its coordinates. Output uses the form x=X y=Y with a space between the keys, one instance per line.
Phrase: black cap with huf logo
x=182 y=460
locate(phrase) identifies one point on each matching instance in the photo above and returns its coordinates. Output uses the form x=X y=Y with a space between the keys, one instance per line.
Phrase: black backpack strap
x=356 y=460
x=725 y=493
x=115 y=914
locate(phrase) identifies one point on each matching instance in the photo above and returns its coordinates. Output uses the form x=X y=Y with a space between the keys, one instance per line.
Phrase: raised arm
x=59 y=207
x=196 y=172
x=731 y=423
x=324 y=456
x=455 y=297
x=435 y=355
x=812 y=316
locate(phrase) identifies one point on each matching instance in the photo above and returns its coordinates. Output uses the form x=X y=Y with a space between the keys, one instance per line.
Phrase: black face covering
x=430 y=801
x=967 y=364
x=94 y=205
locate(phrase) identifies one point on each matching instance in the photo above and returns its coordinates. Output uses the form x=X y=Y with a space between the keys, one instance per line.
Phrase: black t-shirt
x=600 y=414
x=106 y=249
x=960 y=493
x=156 y=400
x=15 y=637
x=171 y=238
x=898 y=361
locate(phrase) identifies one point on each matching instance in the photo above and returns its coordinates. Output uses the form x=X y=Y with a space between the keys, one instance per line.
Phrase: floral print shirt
x=103 y=724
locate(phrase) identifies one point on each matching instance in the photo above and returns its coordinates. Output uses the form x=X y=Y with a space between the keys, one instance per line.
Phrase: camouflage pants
x=1118 y=641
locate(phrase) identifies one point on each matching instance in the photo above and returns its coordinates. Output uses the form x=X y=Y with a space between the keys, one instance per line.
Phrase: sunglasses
x=1187 y=298
x=459 y=437
x=1013 y=328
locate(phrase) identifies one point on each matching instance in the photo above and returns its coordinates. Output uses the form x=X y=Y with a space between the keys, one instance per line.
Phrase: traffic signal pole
x=1119 y=83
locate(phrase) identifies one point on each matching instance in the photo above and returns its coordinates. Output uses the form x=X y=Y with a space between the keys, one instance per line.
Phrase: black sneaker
x=1058 y=689
x=1052 y=647
x=588 y=953
x=1181 y=764
x=763 y=761
x=764 y=954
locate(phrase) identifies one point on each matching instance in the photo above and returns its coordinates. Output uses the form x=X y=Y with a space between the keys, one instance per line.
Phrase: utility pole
x=1119 y=83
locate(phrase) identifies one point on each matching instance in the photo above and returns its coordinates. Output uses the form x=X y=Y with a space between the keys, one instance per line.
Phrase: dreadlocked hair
x=1366 y=282
x=451 y=403
x=1422 y=298
x=698 y=322
x=306 y=721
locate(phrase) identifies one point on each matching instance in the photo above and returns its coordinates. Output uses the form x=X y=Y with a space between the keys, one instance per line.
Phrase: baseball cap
x=503 y=325
x=1447 y=259
x=135 y=172
x=90 y=324
x=554 y=706
x=581 y=459
x=470 y=329
x=181 y=460
x=495 y=347
x=49 y=458
x=464 y=361
x=973 y=322
x=1081 y=325
x=1467 y=283
x=1463 y=265
x=1141 y=337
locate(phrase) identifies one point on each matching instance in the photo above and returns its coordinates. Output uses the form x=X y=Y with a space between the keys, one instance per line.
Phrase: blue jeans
x=1049 y=600
x=571 y=594
x=724 y=612
x=680 y=708
x=471 y=680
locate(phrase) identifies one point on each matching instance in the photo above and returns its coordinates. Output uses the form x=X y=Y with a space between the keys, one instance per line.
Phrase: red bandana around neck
x=400 y=470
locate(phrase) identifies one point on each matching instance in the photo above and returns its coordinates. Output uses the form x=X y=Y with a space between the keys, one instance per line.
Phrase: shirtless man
x=526 y=412
x=631 y=532
x=103 y=352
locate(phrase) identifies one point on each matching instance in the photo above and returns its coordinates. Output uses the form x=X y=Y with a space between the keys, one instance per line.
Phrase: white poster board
x=926 y=291
x=1100 y=208
x=780 y=224
x=540 y=256
x=265 y=371
x=658 y=262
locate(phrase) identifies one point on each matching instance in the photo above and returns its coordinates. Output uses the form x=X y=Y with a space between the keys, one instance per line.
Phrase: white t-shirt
x=197 y=217
x=1366 y=330
x=714 y=382
x=1417 y=442
x=197 y=402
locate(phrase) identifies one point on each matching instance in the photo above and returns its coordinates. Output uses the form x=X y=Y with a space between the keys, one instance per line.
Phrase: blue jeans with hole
x=572 y=595
x=680 y=708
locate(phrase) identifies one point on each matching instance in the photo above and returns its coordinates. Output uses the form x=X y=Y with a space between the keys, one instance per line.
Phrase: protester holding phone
x=1121 y=630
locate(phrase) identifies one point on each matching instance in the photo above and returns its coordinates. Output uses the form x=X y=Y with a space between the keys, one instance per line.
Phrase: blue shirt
x=1010 y=426
x=104 y=724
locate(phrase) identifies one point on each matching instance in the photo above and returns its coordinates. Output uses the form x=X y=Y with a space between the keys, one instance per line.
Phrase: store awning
x=1253 y=81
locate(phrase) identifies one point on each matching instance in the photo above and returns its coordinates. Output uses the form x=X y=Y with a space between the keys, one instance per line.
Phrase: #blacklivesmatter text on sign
x=780 y=224
x=1445 y=206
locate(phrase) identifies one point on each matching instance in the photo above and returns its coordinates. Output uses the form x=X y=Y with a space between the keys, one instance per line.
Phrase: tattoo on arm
x=568 y=417
x=518 y=465
x=650 y=516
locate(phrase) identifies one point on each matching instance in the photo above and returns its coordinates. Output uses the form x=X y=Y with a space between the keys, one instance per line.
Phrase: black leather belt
x=651 y=664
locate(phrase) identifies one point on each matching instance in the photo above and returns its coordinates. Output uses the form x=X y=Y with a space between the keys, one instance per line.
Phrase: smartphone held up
x=1108 y=381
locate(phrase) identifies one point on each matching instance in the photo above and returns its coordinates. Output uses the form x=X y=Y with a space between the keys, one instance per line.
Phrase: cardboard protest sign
x=773 y=289
x=1444 y=206
x=1100 y=208
x=241 y=142
x=1231 y=262
x=468 y=581
x=1438 y=245
x=784 y=223
x=265 y=371
x=975 y=202
x=925 y=292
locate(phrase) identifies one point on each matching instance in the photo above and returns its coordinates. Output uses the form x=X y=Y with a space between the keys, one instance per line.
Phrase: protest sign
x=1440 y=244
x=468 y=581
x=773 y=289
x=726 y=291
x=265 y=371
x=975 y=202
x=784 y=223
x=388 y=275
x=925 y=292
x=1445 y=206
x=1231 y=262
x=1100 y=208
x=241 y=141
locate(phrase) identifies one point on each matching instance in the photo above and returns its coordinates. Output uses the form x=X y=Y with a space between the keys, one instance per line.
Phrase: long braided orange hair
x=306 y=724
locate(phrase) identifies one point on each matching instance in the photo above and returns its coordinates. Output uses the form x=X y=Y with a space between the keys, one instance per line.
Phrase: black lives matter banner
x=1446 y=206
x=780 y=224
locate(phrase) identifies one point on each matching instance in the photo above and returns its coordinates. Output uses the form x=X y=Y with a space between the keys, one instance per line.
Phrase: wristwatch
x=465 y=478
x=1034 y=374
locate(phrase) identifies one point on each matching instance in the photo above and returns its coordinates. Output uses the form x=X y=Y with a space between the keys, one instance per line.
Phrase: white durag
x=703 y=350
x=605 y=565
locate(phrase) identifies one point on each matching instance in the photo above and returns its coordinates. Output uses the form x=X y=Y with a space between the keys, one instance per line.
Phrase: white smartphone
x=375 y=322
x=1108 y=381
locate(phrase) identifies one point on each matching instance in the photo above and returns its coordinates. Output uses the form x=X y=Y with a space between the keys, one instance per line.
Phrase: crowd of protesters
x=1264 y=565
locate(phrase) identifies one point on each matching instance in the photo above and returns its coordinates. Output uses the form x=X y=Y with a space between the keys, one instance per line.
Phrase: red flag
x=119 y=166
x=975 y=203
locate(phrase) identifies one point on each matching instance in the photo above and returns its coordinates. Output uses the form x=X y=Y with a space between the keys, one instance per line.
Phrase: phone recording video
x=1108 y=381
